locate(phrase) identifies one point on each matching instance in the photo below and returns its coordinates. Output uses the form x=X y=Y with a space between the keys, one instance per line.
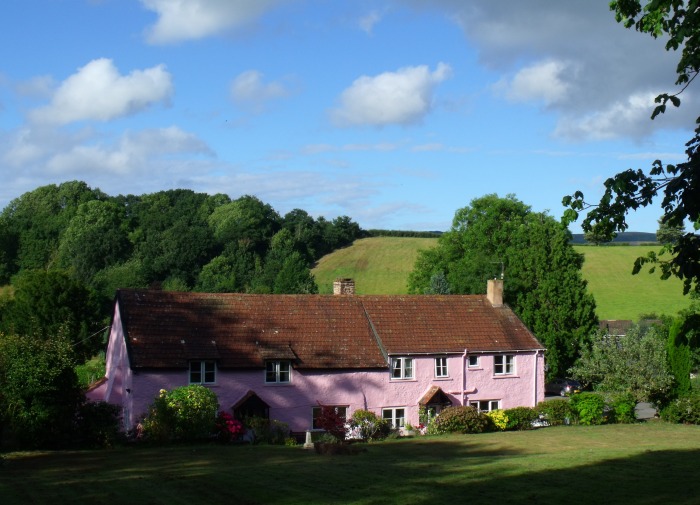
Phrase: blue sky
x=395 y=113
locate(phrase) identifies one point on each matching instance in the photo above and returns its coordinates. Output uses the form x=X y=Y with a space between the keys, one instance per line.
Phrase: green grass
x=381 y=266
x=618 y=464
x=621 y=295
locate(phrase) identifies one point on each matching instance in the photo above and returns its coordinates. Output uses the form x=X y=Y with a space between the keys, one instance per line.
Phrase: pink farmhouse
x=283 y=356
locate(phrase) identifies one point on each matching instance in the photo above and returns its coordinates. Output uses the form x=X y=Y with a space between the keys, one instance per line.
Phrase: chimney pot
x=494 y=292
x=343 y=286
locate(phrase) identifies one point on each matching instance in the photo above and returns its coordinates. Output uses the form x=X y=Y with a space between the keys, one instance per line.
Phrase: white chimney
x=494 y=292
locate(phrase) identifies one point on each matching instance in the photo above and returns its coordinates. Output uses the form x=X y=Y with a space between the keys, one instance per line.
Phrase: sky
x=396 y=113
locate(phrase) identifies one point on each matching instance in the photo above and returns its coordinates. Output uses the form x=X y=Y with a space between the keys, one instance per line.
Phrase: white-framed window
x=341 y=410
x=486 y=405
x=504 y=364
x=441 y=367
x=278 y=372
x=473 y=362
x=402 y=368
x=395 y=416
x=202 y=372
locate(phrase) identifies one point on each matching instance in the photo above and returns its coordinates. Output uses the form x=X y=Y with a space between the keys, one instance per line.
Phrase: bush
x=589 y=408
x=521 y=418
x=226 y=428
x=368 y=426
x=268 y=431
x=556 y=412
x=684 y=410
x=622 y=408
x=461 y=420
x=97 y=424
x=332 y=422
x=185 y=413
x=499 y=419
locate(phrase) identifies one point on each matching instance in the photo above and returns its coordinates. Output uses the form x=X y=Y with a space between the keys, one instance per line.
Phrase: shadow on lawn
x=407 y=472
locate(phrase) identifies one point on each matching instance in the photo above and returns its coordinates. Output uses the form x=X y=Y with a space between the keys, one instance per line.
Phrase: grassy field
x=618 y=464
x=621 y=295
x=381 y=266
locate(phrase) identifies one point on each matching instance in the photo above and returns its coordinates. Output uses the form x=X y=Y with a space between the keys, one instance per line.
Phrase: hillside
x=381 y=266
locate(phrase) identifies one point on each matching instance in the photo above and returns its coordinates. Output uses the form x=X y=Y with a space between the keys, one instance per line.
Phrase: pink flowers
x=227 y=428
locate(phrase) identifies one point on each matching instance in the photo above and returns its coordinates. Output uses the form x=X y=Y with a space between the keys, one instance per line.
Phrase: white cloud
x=248 y=89
x=180 y=20
x=98 y=92
x=132 y=154
x=541 y=82
x=367 y=22
x=625 y=117
x=401 y=97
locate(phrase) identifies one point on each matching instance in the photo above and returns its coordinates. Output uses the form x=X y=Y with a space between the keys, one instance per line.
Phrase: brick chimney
x=494 y=292
x=343 y=287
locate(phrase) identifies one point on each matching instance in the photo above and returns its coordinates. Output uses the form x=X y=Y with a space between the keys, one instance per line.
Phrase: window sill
x=442 y=378
x=403 y=380
x=506 y=376
x=277 y=384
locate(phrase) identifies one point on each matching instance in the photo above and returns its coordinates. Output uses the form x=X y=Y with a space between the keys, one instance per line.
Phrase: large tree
x=543 y=283
x=678 y=23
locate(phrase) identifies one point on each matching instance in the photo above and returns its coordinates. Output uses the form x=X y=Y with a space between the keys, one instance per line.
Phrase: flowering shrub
x=185 y=413
x=461 y=419
x=227 y=428
x=499 y=419
x=685 y=410
x=368 y=426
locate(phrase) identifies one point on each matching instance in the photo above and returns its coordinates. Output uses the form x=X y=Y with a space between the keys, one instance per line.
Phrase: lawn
x=645 y=463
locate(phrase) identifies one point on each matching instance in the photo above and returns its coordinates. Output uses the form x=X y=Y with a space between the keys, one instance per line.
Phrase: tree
x=94 y=239
x=36 y=220
x=39 y=390
x=635 y=363
x=543 y=281
x=438 y=285
x=596 y=238
x=48 y=302
x=667 y=234
x=679 y=23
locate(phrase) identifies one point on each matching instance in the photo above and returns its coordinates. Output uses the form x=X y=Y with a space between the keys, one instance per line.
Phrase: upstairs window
x=441 y=367
x=474 y=362
x=202 y=372
x=278 y=372
x=402 y=368
x=504 y=364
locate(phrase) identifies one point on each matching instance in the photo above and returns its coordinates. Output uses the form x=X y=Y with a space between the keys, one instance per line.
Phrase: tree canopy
x=678 y=185
x=543 y=283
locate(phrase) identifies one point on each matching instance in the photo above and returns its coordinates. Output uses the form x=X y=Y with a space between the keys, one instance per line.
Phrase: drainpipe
x=534 y=385
x=464 y=374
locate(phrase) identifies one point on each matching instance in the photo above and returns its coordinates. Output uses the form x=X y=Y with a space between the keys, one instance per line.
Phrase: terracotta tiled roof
x=453 y=323
x=167 y=329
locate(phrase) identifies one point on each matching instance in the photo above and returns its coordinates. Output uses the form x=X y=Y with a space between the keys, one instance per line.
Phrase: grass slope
x=621 y=295
x=646 y=463
x=381 y=266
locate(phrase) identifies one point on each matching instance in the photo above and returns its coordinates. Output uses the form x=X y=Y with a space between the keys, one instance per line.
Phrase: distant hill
x=628 y=237
x=381 y=266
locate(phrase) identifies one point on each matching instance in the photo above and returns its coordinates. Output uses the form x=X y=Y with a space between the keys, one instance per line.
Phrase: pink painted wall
x=358 y=389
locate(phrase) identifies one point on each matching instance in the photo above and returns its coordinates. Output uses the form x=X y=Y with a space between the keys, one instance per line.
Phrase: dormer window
x=202 y=372
x=402 y=368
x=278 y=372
